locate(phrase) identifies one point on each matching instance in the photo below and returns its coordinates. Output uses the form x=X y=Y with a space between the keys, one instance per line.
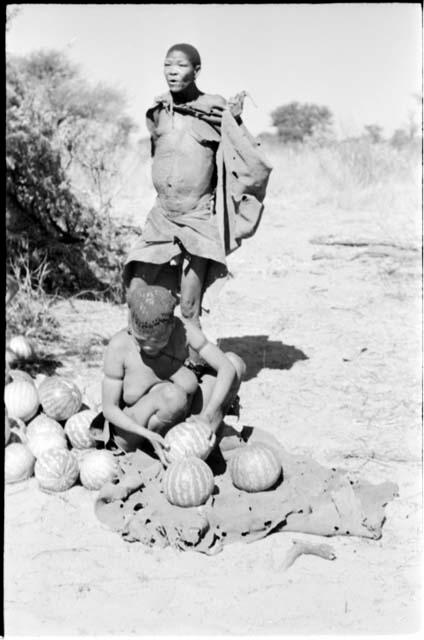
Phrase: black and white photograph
x=213 y=320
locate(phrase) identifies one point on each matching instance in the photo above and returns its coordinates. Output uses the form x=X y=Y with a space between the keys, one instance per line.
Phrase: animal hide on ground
x=309 y=498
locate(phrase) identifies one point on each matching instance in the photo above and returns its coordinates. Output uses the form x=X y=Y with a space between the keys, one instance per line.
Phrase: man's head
x=151 y=316
x=181 y=67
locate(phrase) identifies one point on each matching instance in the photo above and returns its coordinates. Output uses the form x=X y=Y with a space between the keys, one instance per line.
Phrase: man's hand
x=213 y=116
x=235 y=104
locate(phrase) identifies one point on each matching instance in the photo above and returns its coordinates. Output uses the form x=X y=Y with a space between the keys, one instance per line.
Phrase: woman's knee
x=173 y=398
x=238 y=363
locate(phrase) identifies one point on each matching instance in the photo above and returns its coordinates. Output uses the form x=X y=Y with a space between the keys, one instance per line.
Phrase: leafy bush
x=297 y=122
x=55 y=121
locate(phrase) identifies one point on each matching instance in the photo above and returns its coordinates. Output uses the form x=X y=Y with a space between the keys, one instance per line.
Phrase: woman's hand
x=159 y=445
x=204 y=420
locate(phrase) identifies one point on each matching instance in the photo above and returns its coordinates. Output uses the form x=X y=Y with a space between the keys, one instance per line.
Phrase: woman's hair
x=190 y=51
x=150 y=306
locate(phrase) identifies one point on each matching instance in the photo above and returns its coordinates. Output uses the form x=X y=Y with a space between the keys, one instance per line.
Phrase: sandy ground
x=331 y=337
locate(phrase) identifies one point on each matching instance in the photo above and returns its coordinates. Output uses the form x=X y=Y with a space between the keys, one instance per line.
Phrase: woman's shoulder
x=119 y=340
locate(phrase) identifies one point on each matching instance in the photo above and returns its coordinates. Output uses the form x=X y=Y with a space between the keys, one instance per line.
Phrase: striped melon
x=21 y=399
x=17 y=374
x=43 y=424
x=22 y=347
x=189 y=439
x=41 y=442
x=255 y=467
x=18 y=463
x=60 y=398
x=56 y=470
x=188 y=482
x=97 y=468
x=77 y=428
x=81 y=453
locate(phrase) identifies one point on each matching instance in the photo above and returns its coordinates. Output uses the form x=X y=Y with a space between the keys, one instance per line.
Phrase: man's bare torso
x=183 y=169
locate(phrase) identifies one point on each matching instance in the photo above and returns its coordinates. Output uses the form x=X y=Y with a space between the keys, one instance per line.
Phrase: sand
x=331 y=336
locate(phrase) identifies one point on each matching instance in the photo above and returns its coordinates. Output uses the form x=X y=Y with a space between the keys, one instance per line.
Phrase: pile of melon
x=188 y=480
x=19 y=349
x=47 y=434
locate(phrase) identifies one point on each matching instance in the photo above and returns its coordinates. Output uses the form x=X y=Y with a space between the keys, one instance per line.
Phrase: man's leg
x=159 y=274
x=192 y=279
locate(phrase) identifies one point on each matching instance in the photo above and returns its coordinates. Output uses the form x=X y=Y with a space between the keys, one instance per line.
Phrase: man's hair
x=191 y=52
x=150 y=306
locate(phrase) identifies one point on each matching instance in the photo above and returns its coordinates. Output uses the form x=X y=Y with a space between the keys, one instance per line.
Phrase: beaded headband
x=150 y=306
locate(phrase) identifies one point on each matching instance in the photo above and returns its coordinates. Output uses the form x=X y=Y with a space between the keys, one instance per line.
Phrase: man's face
x=179 y=71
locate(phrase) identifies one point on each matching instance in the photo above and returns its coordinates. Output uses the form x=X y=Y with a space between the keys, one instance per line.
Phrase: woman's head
x=181 y=67
x=151 y=316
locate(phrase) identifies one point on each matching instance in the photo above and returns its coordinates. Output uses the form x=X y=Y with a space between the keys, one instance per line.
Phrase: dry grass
x=344 y=174
x=30 y=311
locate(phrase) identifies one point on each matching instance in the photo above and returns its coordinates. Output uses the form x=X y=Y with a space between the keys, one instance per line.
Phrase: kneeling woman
x=148 y=385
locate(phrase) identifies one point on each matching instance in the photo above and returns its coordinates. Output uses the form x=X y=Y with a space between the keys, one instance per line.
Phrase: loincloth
x=310 y=499
x=166 y=235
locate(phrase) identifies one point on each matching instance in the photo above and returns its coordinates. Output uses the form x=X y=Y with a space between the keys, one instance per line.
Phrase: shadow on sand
x=259 y=352
x=46 y=365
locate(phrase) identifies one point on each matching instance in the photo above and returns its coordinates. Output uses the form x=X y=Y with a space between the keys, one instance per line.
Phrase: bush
x=297 y=122
x=55 y=121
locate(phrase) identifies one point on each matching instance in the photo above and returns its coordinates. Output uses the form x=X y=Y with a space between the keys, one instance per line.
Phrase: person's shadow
x=258 y=352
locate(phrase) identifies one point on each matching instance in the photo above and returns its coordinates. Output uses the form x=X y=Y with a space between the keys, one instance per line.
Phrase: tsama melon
x=60 y=398
x=56 y=470
x=18 y=462
x=256 y=467
x=97 y=468
x=42 y=442
x=44 y=424
x=188 y=482
x=22 y=347
x=17 y=374
x=189 y=439
x=77 y=428
x=21 y=399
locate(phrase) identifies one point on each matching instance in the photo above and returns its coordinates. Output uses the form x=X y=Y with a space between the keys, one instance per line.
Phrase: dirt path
x=331 y=336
